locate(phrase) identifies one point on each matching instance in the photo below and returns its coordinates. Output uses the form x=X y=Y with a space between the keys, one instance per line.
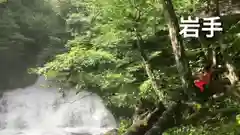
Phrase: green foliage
x=2 y=1
x=217 y=124
x=187 y=7
x=28 y=27
x=102 y=55
x=124 y=124
x=230 y=128
x=98 y=59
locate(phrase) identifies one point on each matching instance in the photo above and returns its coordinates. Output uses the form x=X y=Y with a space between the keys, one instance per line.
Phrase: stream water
x=37 y=110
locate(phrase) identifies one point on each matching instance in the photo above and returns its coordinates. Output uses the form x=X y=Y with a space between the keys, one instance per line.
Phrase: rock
x=80 y=134
x=112 y=132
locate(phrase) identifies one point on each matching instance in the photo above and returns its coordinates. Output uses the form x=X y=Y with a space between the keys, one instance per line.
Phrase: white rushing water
x=36 y=110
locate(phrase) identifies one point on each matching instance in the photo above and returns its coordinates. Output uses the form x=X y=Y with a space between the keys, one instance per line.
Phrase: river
x=37 y=110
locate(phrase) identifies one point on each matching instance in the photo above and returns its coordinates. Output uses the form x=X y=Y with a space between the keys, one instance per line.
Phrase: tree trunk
x=177 y=46
x=206 y=43
x=144 y=57
x=232 y=75
x=170 y=118
x=147 y=66
x=140 y=127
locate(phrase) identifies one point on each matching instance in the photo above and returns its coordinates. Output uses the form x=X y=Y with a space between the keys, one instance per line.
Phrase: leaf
x=2 y=1
x=155 y=54
x=238 y=119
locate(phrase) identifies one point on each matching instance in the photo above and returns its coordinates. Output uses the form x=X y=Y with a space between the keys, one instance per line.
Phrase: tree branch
x=140 y=127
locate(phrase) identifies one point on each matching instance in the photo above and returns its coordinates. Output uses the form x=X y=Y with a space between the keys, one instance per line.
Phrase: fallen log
x=140 y=127
x=170 y=118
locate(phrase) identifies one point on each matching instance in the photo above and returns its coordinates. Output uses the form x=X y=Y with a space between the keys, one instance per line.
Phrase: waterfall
x=38 y=110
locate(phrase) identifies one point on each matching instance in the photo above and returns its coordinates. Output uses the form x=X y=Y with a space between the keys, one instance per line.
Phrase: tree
x=122 y=53
x=28 y=28
x=177 y=46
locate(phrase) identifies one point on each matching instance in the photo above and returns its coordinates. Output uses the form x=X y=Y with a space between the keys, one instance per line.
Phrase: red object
x=205 y=79
x=200 y=84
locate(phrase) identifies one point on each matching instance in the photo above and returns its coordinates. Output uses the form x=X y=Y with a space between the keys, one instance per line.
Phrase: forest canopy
x=131 y=53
